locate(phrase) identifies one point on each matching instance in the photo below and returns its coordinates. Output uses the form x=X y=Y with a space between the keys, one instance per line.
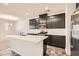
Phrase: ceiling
x=29 y=10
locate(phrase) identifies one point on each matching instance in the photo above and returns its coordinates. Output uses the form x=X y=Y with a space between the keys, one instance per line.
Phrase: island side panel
x=26 y=48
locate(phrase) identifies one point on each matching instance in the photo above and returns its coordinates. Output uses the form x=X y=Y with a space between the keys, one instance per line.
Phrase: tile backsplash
x=34 y=31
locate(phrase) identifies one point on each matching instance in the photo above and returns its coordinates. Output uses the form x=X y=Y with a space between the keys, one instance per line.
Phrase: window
x=8 y=26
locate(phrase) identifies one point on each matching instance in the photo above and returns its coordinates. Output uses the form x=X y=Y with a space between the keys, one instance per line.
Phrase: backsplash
x=36 y=31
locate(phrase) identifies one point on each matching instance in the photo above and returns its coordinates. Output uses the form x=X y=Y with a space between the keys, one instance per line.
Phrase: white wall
x=4 y=43
x=2 y=31
x=22 y=26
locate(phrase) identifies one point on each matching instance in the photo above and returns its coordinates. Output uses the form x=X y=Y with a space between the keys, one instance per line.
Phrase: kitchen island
x=30 y=45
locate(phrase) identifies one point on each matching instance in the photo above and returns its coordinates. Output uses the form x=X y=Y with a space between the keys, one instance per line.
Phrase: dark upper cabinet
x=34 y=24
x=49 y=22
x=43 y=16
x=56 y=21
x=43 y=20
x=77 y=5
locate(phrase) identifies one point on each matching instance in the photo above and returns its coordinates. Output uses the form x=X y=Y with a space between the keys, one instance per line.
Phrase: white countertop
x=75 y=36
x=30 y=38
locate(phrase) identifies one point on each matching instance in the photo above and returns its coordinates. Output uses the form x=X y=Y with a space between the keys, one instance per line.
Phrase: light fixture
x=47 y=9
x=9 y=17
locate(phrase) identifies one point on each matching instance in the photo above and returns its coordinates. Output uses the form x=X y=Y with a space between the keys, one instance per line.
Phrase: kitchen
x=36 y=29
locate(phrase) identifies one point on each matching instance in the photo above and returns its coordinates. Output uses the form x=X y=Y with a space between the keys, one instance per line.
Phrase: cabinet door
x=34 y=24
x=43 y=20
x=56 y=21
x=77 y=5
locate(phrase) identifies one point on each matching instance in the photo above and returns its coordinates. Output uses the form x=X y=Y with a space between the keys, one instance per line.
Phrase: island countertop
x=30 y=38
